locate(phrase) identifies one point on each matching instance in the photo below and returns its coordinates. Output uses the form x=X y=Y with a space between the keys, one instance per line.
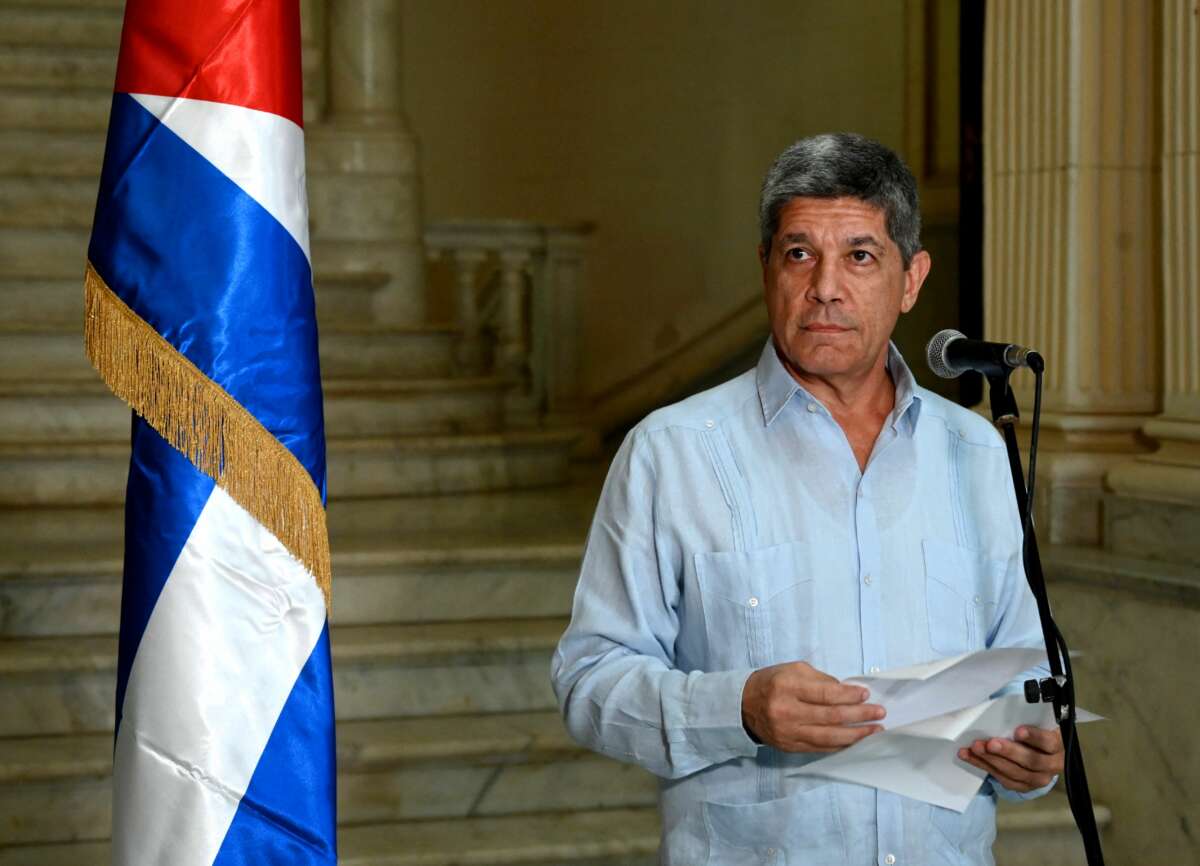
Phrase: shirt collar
x=776 y=387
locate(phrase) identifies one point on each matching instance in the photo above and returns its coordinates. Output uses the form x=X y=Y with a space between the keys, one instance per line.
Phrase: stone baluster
x=469 y=352
x=559 y=322
x=1071 y=181
x=363 y=166
x=1155 y=509
x=512 y=351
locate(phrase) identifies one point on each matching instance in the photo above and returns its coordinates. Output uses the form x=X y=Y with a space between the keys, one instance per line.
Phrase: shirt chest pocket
x=759 y=606
x=962 y=594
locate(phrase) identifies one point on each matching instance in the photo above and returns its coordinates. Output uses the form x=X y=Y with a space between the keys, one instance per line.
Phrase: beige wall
x=655 y=121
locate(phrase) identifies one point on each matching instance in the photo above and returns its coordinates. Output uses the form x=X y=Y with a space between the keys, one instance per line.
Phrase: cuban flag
x=200 y=314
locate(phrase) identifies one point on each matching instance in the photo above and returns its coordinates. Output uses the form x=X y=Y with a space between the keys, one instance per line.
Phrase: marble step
x=78 y=109
x=88 y=412
x=41 y=153
x=44 y=65
x=41 y=253
x=66 y=685
x=41 y=305
x=460 y=579
x=1040 y=833
x=49 y=202
x=417 y=530
x=411 y=353
x=87 y=475
x=83 y=25
x=58 y=789
x=607 y=837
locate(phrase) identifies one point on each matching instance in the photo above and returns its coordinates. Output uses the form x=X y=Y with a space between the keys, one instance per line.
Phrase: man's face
x=835 y=285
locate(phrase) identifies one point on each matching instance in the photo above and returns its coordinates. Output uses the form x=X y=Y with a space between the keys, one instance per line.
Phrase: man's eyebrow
x=795 y=238
x=866 y=241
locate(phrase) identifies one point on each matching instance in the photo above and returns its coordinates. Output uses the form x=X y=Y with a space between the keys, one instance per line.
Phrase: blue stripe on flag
x=287 y=813
x=163 y=500
x=214 y=273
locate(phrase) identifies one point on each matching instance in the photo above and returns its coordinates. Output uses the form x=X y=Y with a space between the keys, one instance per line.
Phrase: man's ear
x=762 y=263
x=914 y=278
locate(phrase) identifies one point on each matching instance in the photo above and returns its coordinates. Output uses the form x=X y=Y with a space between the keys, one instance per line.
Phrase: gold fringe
x=216 y=433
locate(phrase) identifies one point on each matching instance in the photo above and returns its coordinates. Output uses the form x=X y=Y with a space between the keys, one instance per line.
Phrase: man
x=818 y=517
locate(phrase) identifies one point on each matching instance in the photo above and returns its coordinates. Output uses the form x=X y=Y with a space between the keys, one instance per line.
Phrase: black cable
x=1038 y=367
x=1067 y=693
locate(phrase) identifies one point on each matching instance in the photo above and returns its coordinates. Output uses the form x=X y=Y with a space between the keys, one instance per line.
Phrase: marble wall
x=654 y=120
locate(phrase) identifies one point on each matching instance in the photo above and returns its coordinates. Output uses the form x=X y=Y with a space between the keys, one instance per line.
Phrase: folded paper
x=933 y=710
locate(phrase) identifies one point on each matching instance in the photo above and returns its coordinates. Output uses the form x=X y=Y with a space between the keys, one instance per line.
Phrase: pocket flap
x=738 y=575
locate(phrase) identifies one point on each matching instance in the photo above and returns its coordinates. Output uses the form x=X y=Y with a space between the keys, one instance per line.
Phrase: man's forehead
x=842 y=209
x=846 y=220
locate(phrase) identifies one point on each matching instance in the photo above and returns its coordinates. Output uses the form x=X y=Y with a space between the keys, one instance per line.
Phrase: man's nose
x=826 y=285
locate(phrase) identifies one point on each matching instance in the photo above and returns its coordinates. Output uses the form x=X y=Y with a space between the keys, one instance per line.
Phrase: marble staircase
x=451 y=584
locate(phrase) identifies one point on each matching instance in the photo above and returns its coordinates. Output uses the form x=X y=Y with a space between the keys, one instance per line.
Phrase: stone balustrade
x=516 y=299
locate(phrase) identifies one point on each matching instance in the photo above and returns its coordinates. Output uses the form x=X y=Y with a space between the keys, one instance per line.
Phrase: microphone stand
x=1059 y=688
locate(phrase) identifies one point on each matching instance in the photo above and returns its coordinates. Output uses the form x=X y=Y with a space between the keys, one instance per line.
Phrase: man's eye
x=796 y=254
x=861 y=256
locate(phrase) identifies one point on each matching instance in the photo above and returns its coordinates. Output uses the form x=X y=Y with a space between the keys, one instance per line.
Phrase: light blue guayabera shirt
x=735 y=531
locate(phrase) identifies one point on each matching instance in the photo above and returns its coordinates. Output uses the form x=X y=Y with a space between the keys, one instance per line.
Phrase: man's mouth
x=819 y=328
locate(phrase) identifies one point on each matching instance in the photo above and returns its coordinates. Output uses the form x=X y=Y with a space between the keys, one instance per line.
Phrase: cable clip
x=1050 y=690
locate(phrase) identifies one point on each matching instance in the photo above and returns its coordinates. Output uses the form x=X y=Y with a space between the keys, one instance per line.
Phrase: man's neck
x=868 y=393
x=859 y=404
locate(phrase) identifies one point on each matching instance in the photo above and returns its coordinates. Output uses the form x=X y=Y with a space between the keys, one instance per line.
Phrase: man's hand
x=1025 y=763
x=797 y=708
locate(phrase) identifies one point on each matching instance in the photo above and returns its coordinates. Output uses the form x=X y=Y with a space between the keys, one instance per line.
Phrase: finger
x=1000 y=766
x=842 y=714
x=811 y=673
x=1025 y=757
x=1043 y=740
x=831 y=693
x=982 y=764
x=830 y=737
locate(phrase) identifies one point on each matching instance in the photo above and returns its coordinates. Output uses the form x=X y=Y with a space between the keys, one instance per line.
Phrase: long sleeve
x=613 y=671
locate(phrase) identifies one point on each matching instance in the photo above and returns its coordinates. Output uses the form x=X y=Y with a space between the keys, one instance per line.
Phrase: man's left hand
x=1025 y=763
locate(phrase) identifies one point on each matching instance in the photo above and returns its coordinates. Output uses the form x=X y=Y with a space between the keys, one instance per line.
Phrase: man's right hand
x=797 y=708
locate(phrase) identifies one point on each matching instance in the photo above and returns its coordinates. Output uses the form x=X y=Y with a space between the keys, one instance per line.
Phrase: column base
x=1153 y=510
x=365 y=217
x=1075 y=454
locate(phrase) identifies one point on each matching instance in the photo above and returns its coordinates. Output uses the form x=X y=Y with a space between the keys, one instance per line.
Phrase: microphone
x=950 y=354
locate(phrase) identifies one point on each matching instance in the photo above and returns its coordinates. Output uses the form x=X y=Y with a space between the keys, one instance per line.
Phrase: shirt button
x=753 y=602
x=889 y=859
x=708 y=424
x=812 y=407
x=874 y=669
x=770 y=852
x=978 y=600
x=867 y=579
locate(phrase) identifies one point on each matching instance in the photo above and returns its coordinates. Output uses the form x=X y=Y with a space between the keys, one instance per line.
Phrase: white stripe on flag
x=231 y=631
x=261 y=152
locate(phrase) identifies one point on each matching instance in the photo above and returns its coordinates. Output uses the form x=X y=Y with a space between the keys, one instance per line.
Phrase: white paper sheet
x=928 y=722
x=924 y=691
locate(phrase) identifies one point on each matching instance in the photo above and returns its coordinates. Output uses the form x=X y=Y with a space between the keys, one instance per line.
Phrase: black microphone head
x=935 y=353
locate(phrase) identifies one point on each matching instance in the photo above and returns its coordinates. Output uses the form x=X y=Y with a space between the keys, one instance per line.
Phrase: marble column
x=1155 y=509
x=1071 y=180
x=312 y=53
x=363 y=162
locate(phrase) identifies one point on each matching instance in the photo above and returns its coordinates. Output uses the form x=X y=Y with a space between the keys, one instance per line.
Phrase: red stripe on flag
x=240 y=52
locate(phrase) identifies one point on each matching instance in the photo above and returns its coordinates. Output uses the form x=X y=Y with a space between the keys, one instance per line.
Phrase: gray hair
x=840 y=164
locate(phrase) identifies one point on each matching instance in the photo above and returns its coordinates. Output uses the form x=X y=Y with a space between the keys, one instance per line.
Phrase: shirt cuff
x=713 y=725
x=1017 y=796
